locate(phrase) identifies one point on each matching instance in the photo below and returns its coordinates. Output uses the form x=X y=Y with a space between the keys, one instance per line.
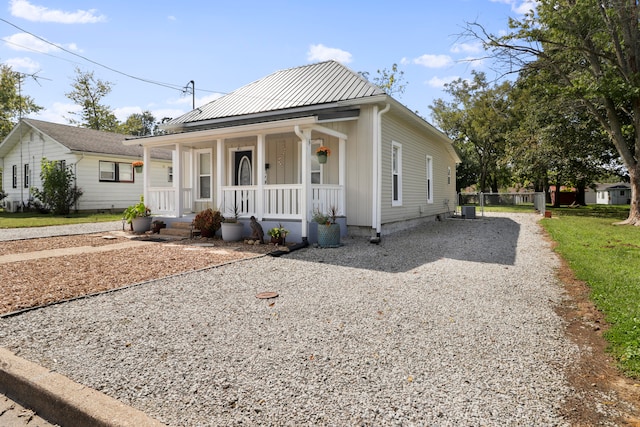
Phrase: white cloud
x=27 y=42
x=319 y=52
x=439 y=82
x=434 y=61
x=24 y=64
x=57 y=112
x=24 y=9
x=519 y=6
x=467 y=48
x=123 y=113
x=171 y=18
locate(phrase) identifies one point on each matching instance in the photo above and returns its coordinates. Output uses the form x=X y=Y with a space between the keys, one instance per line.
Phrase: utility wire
x=166 y=85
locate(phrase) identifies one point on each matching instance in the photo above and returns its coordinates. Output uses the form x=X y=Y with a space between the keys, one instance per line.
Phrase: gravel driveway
x=450 y=324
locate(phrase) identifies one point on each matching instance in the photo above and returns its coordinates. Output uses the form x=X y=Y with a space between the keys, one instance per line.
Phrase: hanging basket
x=138 y=169
x=322 y=158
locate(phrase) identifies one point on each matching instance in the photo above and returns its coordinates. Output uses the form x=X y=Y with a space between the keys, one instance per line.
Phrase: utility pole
x=193 y=93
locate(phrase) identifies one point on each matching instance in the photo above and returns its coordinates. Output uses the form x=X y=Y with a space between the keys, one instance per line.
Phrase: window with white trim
x=396 y=174
x=316 y=167
x=204 y=174
x=26 y=176
x=115 y=171
x=14 y=175
x=169 y=173
x=449 y=175
x=429 y=172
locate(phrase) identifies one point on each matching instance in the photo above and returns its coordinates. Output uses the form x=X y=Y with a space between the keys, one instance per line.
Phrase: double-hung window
x=429 y=172
x=26 y=176
x=14 y=176
x=396 y=174
x=115 y=171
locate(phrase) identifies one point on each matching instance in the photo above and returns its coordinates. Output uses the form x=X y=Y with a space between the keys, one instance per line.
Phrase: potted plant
x=322 y=153
x=278 y=234
x=208 y=222
x=328 y=229
x=137 y=165
x=139 y=216
x=231 y=228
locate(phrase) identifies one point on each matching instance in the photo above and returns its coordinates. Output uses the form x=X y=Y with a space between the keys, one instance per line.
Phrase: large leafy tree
x=140 y=124
x=591 y=49
x=88 y=92
x=12 y=103
x=477 y=119
x=555 y=140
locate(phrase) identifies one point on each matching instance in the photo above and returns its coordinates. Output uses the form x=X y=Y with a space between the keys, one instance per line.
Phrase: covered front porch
x=268 y=171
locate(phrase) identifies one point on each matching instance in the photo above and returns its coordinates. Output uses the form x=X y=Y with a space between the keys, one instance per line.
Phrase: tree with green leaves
x=391 y=81
x=140 y=124
x=555 y=140
x=88 y=93
x=12 y=103
x=477 y=120
x=591 y=50
x=59 y=192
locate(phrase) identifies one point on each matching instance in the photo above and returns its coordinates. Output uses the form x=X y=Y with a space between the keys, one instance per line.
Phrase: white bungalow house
x=101 y=163
x=613 y=194
x=255 y=149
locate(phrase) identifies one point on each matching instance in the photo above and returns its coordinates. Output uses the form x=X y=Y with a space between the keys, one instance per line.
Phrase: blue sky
x=223 y=45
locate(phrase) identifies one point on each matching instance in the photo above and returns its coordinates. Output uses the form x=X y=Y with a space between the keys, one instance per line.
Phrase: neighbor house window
x=14 y=175
x=26 y=176
x=396 y=174
x=429 y=179
x=115 y=171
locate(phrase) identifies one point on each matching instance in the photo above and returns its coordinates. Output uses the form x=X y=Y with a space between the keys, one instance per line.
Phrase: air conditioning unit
x=469 y=212
x=11 y=206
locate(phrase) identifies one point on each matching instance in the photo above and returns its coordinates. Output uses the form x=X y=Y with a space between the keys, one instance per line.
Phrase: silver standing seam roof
x=310 y=85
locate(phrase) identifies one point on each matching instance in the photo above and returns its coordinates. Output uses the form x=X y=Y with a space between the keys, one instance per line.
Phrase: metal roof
x=316 y=84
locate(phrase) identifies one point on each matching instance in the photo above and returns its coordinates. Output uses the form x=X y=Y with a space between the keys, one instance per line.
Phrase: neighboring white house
x=613 y=194
x=101 y=162
x=255 y=149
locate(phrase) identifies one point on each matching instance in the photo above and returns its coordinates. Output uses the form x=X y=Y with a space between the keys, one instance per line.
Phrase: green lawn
x=30 y=219
x=607 y=258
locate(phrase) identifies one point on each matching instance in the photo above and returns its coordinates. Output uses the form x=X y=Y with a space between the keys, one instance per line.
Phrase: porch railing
x=162 y=200
x=326 y=197
x=280 y=201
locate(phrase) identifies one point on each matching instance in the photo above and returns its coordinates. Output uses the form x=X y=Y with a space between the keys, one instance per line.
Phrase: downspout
x=377 y=172
x=304 y=224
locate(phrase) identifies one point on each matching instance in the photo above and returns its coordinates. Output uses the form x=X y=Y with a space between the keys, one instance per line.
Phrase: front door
x=243 y=169
x=242 y=175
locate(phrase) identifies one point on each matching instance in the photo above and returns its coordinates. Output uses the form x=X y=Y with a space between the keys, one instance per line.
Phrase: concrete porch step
x=178 y=228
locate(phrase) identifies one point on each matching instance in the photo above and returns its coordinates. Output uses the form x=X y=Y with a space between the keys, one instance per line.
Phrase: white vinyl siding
x=396 y=174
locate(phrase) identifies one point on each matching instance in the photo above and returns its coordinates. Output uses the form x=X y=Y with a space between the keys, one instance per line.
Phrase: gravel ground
x=450 y=324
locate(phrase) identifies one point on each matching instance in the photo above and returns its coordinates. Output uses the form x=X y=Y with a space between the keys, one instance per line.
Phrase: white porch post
x=306 y=195
x=146 y=172
x=260 y=195
x=220 y=174
x=342 y=170
x=178 y=180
